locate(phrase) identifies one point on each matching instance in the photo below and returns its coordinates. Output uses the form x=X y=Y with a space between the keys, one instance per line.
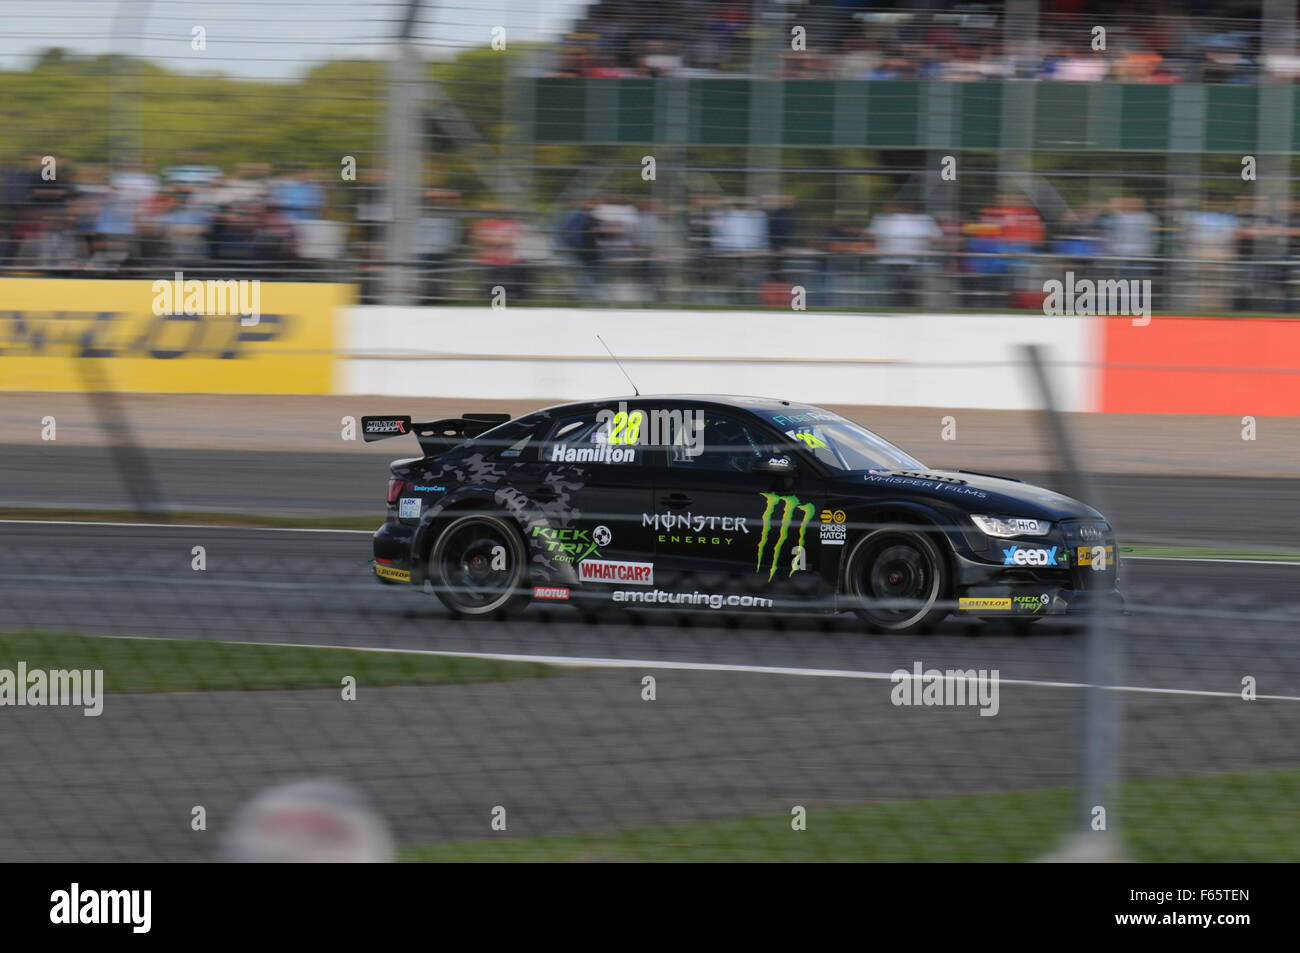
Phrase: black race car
x=721 y=503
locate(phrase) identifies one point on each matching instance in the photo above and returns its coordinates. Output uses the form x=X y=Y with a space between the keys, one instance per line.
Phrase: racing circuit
x=754 y=712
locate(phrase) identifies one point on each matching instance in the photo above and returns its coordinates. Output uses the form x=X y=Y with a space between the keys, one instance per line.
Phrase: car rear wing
x=435 y=436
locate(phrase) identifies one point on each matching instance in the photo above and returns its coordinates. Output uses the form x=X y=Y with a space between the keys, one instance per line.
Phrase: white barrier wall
x=552 y=355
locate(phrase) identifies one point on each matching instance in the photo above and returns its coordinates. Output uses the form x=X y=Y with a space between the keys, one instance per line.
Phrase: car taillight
x=396 y=488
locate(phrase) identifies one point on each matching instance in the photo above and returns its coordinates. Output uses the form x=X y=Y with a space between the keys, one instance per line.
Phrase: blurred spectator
x=579 y=236
x=1210 y=234
x=780 y=232
x=703 y=261
x=1129 y=233
x=1017 y=232
x=50 y=245
x=985 y=267
x=902 y=239
x=298 y=197
x=437 y=236
x=373 y=216
x=845 y=247
x=496 y=239
x=660 y=244
x=740 y=228
x=1261 y=247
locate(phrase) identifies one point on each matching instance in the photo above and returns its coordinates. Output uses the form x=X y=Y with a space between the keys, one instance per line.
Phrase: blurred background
x=795 y=142
x=682 y=177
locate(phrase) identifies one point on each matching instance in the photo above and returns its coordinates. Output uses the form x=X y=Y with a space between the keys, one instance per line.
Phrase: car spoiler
x=435 y=436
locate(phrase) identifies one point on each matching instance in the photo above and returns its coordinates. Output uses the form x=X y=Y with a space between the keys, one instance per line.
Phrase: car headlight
x=1007 y=526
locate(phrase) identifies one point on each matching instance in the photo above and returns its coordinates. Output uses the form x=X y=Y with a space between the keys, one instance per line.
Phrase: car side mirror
x=774 y=465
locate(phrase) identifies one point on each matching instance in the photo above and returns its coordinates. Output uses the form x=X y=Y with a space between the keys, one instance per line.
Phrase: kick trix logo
x=194 y=297
x=37 y=687
x=1108 y=296
x=950 y=687
x=76 y=906
x=791 y=505
x=566 y=545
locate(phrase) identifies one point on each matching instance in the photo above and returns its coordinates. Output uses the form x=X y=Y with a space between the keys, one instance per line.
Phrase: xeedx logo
x=791 y=505
x=1015 y=556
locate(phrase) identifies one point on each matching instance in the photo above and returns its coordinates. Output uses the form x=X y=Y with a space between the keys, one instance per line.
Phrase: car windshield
x=841 y=444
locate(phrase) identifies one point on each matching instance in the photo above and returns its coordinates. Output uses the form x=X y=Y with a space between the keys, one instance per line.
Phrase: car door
x=715 y=517
x=594 y=488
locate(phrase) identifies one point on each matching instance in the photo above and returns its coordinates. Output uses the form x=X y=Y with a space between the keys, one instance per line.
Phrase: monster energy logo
x=791 y=505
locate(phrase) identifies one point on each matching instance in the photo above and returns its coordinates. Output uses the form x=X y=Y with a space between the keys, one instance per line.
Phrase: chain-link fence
x=196 y=659
x=647 y=738
x=178 y=689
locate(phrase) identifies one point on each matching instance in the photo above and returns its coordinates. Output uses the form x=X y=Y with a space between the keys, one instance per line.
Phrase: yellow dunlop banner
x=174 y=335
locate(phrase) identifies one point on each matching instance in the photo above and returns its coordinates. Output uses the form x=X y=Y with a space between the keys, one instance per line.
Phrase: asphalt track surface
x=1261 y=513
x=582 y=751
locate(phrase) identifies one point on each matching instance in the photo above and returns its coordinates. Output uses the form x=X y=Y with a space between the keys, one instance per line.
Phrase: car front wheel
x=895 y=578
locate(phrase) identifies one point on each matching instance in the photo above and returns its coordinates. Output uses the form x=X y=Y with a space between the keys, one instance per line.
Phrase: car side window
x=729 y=444
x=507 y=441
x=575 y=430
x=600 y=436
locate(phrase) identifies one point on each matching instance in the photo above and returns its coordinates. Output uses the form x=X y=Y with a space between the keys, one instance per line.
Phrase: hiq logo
x=1015 y=556
x=792 y=505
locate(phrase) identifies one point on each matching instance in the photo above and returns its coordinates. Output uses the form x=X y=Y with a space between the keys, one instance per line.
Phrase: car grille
x=1090 y=533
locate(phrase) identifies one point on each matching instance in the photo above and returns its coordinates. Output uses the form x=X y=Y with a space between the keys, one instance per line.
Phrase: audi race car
x=721 y=503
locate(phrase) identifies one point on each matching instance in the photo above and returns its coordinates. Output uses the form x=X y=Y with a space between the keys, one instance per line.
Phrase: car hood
x=974 y=492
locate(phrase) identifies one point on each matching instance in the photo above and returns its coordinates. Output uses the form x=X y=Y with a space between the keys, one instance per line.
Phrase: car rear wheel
x=478 y=565
x=894 y=579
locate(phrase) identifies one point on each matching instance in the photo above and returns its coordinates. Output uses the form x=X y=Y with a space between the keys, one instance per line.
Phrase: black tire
x=896 y=563
x=461 y=570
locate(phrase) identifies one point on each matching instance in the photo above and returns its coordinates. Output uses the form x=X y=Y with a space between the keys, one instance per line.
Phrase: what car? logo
x=606 y=570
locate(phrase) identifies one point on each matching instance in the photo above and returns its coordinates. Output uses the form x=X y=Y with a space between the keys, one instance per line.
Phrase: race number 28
x=627 y=427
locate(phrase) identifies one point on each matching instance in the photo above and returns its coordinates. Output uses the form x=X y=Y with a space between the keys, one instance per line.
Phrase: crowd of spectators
x=1158 y=41
x=612 y=249
x=1221 y=255
x=95 y=222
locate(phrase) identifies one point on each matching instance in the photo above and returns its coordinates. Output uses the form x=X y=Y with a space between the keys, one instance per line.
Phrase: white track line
x=1214 y=559
x=568 y=661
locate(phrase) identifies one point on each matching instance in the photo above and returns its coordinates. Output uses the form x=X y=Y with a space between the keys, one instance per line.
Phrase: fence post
x=1103 y=663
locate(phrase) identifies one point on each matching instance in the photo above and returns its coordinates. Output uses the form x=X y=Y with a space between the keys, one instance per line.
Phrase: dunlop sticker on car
x=1087 y=554
x=392 y=572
